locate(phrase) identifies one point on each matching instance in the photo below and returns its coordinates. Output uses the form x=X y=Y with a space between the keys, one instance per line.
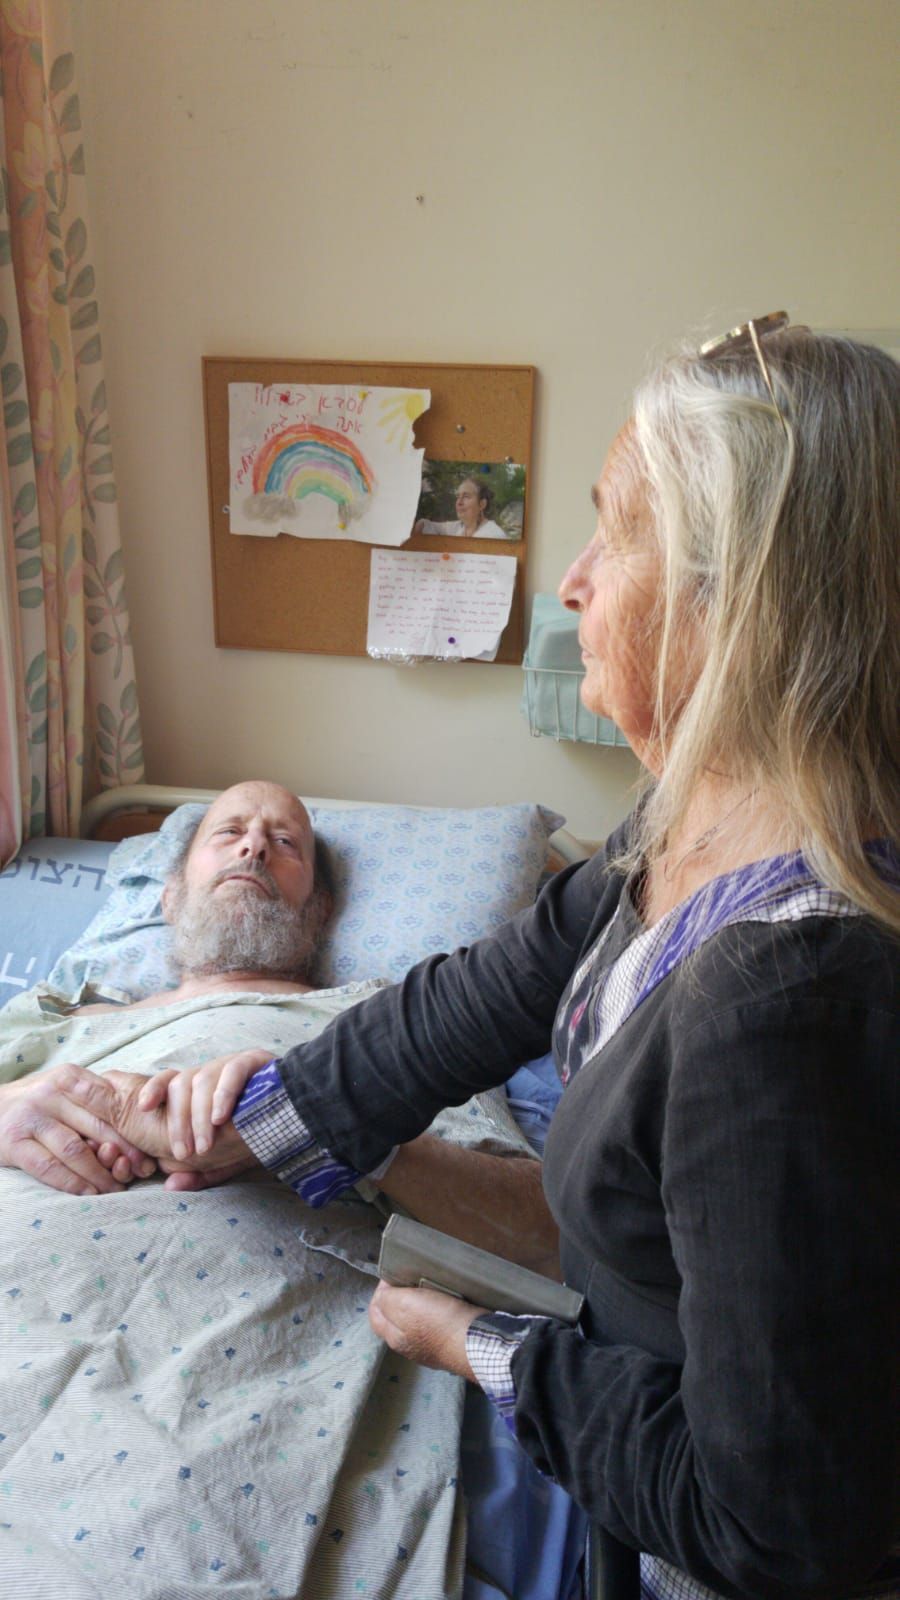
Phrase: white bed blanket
x=192 y=1401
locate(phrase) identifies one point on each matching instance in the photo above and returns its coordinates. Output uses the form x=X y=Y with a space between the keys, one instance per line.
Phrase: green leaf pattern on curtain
x=70 y=658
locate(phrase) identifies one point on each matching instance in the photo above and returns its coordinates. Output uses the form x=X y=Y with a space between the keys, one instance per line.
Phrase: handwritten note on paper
x=324 y=460
x=452 y=607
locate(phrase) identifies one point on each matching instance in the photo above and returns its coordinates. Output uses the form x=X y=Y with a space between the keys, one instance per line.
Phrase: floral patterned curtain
x=69 y=721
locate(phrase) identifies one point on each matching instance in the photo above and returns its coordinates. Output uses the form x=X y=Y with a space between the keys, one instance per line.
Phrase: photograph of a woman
x=461 y=500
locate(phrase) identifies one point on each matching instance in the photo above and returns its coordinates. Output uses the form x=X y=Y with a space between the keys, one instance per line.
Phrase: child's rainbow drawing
x=306 y=459
x=324 y=461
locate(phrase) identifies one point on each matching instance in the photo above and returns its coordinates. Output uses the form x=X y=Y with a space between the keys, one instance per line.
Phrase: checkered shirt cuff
x=268 y=1121
x=491 y=1343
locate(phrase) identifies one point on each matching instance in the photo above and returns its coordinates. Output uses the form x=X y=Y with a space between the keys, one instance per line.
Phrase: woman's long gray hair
x=780 y=543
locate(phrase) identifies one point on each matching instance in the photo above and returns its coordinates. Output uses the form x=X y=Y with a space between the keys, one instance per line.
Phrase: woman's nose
x=575 y=589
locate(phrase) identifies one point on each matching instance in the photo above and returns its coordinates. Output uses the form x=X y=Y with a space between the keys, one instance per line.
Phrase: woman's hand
x=199 y=1100
x=149 y=1129
x=52 y=1124
x=425 y=1326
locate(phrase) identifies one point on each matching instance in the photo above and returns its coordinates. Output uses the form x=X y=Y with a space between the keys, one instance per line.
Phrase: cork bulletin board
x=312 y=595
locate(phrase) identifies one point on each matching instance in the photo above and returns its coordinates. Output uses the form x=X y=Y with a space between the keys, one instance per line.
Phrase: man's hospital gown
x=192 y=1401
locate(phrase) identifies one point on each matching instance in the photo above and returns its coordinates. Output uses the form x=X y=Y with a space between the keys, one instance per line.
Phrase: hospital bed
x=409 y=880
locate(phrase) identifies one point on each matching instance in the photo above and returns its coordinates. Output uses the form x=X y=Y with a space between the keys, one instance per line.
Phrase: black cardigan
x=723 y=1175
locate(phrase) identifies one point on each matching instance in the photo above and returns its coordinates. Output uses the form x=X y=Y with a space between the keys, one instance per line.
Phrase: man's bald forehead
x=255 y=792
x=243 y=800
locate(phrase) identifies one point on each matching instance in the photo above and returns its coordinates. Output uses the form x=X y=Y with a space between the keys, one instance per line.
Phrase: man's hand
x=49 y=1122
x=228 y=1157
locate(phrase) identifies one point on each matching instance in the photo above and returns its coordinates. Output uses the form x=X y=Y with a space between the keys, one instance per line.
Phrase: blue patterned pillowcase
x=409 y=882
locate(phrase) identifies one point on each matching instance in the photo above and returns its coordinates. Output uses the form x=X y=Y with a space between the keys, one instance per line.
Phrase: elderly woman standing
x=721 y=984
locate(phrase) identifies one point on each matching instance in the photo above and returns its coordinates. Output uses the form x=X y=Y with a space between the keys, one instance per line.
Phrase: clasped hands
x=88 y=1133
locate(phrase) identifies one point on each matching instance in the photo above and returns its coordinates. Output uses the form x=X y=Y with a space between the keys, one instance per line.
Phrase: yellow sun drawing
x=400 y=412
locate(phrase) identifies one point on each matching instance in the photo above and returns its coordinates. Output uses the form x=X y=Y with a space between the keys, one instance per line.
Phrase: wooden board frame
x=313 y=594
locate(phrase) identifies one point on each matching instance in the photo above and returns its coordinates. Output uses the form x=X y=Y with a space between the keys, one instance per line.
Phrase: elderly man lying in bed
x=190 y=1385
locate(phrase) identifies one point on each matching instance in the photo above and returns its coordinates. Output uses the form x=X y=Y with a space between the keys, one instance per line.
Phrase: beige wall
x=598 y=177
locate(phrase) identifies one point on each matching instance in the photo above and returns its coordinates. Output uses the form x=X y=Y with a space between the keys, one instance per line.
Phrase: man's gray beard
x=245 y=932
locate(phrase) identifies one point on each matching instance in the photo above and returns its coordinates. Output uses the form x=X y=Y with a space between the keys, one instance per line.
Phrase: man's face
x=257 y=840
x=243 y=900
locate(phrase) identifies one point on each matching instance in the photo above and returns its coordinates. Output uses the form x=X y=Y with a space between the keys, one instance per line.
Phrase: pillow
x=409 y=882
x=48 y=894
